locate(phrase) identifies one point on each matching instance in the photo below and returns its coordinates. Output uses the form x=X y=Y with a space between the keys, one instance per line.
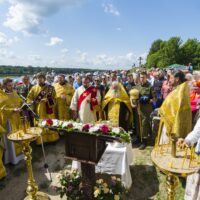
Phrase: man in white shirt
x=83 y=103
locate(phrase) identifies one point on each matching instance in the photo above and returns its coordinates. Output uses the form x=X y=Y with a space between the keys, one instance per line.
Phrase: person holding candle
x=192 y=191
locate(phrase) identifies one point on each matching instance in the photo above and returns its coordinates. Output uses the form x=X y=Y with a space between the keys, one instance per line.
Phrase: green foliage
x=20 y=70
x=165 y=53
x=70 y=186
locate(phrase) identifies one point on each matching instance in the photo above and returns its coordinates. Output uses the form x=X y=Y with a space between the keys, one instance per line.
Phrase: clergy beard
x=115 y=93
x=41 y=84
x=63 y=83
x=7 y=91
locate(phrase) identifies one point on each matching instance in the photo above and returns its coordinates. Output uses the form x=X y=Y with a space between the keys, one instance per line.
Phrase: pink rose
x=104 y=129
x=86 y=127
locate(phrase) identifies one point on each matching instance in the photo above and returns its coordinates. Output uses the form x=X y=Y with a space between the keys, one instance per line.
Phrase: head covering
x=134 y=94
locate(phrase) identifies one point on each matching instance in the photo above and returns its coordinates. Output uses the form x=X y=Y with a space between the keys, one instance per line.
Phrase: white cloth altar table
x=115 y=160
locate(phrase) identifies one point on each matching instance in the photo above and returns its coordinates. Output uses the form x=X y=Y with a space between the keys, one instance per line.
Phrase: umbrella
x=177 y=67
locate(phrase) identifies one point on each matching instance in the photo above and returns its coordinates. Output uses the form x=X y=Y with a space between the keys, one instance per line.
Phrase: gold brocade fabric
x=113 y=112
x=40 y=109
x=2 y=168
x=62 y=105
x=8 y=103
x=176 y=111
x=115 y=104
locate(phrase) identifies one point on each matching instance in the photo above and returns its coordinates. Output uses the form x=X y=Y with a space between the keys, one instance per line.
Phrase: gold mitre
x=134 y=94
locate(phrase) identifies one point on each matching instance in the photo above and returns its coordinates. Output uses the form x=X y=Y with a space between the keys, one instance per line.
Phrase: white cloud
x=64 y=51
x=6 y=54
x=104 y=61
x=5 y=41
x=3 y=52
x=111 y=9
x=53 y=63
x=84 y=57
x=55 y=41
x=35 y=57
x=130 y=56
x=26 y=16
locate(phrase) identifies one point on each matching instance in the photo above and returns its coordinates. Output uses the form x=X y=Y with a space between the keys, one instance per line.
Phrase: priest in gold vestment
x=117 y=107
x=175 y=112
x=2 y=168
x=2 y=148
x=64 y=94
x=42 y=96
x=10 y=120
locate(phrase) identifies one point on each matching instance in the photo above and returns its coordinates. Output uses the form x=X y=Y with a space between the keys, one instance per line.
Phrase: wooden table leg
x=88 y=179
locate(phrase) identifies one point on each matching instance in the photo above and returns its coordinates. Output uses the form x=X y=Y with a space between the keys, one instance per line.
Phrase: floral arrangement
x=89 y=128
x=71 y=186
x=114 y=190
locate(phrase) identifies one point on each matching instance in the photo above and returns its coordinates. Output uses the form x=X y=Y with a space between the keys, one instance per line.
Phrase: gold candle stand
x=174 y=164
x=25 y=139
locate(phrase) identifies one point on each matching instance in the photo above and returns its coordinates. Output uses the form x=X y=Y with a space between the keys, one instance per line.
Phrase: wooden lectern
x=87 y=149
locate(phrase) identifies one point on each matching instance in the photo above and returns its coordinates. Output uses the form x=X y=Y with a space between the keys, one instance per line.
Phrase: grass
x=149 y=182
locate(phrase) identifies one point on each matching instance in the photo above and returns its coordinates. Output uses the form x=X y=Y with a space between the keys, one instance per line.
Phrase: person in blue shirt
x=77 y=82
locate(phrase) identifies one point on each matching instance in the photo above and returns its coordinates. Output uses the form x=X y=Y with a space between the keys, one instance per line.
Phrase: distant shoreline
x=6 y=70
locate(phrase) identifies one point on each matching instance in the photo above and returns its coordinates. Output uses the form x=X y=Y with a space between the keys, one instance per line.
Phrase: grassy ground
x=148 y=183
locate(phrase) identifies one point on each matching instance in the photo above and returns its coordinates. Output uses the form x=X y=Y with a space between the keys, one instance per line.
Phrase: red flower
x=70 y=126
x=104 y=129
x=86 y=127
x=49 y=122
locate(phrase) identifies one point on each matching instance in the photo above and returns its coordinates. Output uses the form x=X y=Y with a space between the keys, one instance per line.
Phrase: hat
x=134 y=94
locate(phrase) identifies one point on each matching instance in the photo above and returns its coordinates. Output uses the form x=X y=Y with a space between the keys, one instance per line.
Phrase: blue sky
x=90 y=33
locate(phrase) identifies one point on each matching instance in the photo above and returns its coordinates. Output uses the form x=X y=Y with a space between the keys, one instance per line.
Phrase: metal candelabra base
x=38 y=196
x=24 y=140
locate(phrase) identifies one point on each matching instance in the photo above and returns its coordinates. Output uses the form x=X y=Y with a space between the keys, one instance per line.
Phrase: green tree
x=164 y=53
x=156 y=46
x=190 y=52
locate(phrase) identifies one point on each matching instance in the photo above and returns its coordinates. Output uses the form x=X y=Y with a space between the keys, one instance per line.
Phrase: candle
x=185 y=155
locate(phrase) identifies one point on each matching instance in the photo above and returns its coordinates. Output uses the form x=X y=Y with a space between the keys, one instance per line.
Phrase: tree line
x=164 y=53
x=30 y=70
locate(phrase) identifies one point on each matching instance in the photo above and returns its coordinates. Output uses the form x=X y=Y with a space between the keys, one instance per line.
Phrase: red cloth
x=93 y=101
x=194 y=99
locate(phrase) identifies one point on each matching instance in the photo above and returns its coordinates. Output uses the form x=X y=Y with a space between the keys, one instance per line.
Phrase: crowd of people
x=126 y=99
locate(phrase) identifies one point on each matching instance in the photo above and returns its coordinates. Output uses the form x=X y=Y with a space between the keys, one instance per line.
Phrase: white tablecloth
x=115 y=160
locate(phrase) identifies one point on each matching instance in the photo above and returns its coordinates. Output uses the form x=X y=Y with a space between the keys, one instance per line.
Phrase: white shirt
x=86 y=115
x=194 y=135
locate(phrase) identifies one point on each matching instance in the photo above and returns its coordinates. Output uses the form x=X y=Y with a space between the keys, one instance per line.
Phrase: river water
x=15 y=78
